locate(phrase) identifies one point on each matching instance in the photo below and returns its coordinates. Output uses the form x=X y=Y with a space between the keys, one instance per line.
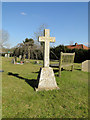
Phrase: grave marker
x=5 y=55
x=20 y=57
x=46 y=39
x=86 y=66
x=47 y=79
x=8 y=55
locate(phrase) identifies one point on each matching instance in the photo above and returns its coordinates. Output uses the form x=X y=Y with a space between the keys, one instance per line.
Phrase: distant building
x=77 y=46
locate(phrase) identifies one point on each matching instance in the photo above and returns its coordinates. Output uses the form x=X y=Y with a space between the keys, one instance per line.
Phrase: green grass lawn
x=19 y=100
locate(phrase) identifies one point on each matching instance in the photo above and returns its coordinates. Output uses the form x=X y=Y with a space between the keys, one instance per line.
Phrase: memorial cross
x=46 y=39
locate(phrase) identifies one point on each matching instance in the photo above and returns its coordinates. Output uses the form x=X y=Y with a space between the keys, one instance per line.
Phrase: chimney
x=75 y=44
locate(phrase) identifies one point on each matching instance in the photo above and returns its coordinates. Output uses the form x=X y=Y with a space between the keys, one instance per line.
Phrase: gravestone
x=6 y=55
x=47 y=79
x=20 y=57
x=13 y=61
x=36 y=62
x=86 y=66
x=24 y=56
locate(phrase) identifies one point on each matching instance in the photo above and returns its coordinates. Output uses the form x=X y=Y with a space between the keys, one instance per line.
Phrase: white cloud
x=23 y=13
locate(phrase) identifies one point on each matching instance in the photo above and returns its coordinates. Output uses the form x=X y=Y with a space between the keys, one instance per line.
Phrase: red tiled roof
x=76 y=46
x=85 y=47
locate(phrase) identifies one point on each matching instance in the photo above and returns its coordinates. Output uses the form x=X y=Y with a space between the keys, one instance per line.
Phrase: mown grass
x=19 y=100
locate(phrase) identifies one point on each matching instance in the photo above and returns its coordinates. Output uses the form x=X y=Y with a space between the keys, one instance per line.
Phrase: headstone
x=20 y=56
x=1 y=70
x=27 y=61
x=5 y=55
x=8 y=55
x=86 y=66
x=36 y=62
x=47 y=79
x=12 y=61
x=24 y=56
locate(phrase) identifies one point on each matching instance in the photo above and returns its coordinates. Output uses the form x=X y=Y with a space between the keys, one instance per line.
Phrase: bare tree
x=18 y=49
x=4 y=39
x=39 y=32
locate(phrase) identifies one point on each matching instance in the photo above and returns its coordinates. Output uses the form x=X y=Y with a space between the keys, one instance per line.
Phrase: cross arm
x=52 y=39
x=42 y=39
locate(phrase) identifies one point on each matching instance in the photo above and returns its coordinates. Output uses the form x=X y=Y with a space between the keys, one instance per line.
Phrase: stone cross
x=46 y=39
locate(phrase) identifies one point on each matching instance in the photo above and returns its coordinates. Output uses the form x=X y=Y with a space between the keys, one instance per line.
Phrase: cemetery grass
x=19 y=100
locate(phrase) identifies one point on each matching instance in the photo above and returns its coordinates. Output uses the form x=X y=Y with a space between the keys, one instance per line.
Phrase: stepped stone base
x=47 y=79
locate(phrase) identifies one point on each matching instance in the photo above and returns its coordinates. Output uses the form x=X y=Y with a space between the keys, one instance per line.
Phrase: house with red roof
x=77 y=46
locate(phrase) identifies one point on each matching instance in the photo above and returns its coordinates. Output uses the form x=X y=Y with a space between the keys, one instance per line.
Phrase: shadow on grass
x=56 y=71
x=32 y=82
x=78 y=69
x=36 y=72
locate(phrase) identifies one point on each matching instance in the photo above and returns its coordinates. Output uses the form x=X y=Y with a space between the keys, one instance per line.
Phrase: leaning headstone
x=47 y=79
x=5 y=55
x=86 y=66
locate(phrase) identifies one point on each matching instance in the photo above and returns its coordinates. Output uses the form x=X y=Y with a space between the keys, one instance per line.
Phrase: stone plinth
x=47 y=79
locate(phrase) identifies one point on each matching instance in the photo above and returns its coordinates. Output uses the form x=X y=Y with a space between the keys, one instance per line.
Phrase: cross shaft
x=46 y=39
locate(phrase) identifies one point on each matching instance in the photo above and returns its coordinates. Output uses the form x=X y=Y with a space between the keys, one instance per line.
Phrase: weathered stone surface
x=47 y=80
x=36 y=62
x=20 y=56
x=6 y=55
x=46 y=39
x=86 y=66
x=24 y=56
